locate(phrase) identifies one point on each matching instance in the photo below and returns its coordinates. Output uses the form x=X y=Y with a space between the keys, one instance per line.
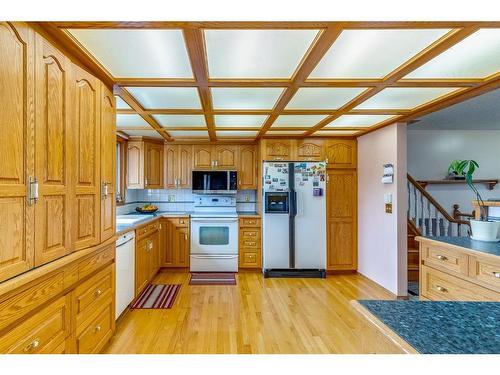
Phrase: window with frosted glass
x=214 y=235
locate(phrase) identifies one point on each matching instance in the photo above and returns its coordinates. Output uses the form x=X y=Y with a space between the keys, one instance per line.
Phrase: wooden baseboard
x=341 y=272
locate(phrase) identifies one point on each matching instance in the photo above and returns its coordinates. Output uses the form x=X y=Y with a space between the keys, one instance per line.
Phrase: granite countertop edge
x=122 y=229
x=465 y=243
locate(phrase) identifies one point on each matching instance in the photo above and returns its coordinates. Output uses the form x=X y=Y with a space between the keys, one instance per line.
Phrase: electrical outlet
x=247 y=198
x=171 y=198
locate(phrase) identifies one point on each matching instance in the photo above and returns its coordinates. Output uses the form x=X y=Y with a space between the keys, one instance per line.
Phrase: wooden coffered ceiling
x=248 y=80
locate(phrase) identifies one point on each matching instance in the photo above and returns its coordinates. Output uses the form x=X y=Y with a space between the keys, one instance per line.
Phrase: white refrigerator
x=294 y=219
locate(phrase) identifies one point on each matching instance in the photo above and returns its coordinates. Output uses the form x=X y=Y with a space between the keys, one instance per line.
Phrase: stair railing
x=429 y=217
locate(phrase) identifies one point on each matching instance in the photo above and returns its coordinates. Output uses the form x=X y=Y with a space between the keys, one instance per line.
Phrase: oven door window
x=215 y=236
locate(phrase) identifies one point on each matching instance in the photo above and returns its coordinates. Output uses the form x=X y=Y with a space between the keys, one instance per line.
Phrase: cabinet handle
x=146 y=181
x=441 y=289
x=442 y=257
x=326 y=160
x=278 y=158
x=97 y=293
x=496 y=274
x=185 y=237
x=105 y=189
x=97 y=328
x=32 y=345
x=32 y=190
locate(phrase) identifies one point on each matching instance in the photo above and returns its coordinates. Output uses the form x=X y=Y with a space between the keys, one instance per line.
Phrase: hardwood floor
x=257 y=316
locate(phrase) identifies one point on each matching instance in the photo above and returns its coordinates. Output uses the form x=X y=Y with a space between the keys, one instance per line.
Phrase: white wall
x=431 y=151
x=382 y=248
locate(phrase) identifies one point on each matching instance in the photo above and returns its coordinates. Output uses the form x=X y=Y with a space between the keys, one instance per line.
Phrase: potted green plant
x=454 y=170
x=482 y=229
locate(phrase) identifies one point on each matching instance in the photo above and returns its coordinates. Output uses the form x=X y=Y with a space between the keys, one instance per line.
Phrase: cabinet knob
x=97 y=328
x=97 y=293
x=32 y=345
x=441 y=257
x=441 y=289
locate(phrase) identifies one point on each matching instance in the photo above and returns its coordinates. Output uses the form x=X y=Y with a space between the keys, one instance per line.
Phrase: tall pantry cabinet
x=57 y=172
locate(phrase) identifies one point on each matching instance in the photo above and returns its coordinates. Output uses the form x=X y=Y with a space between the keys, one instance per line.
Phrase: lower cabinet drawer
x=439 y=286
x=250 y=258
x=90 y=295
x=43 y=333
x=445 y=259
x=485 y=271
x=252 y=234
x=96 y=334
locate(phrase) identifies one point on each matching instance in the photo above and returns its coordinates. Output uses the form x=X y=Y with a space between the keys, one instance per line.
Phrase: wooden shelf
x=490 y=183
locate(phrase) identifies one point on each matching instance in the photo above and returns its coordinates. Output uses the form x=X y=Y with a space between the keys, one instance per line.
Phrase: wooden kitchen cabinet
x=176 y=242
x=86 y=98
x=147 y=258
x=153 y=165
x=341 y=153
x=145 y=164
x=203 y=156
x=108 y=163
x=248 y=167
x=178 y=166
x=310 y=150
x=17 y=152
x=277 y=149
x=341 y=201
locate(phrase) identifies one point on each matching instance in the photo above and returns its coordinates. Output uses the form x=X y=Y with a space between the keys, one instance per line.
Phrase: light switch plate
x=388 y=208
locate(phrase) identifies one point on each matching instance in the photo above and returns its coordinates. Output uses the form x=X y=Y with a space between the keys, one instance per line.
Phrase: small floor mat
x=157 y=296
x=213 y=278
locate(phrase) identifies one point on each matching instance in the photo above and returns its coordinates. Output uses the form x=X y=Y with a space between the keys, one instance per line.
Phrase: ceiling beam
x=286 y=83
x=274 y=24
x=134 y=104
x=195 y=45
x=312 y=58
x=454 y=98
x=442 y=44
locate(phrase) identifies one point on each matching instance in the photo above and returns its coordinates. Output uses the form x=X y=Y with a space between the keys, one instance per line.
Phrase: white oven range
x=214 y=234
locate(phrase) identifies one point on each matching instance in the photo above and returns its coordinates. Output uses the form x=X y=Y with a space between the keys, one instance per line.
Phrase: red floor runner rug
x=157 y=296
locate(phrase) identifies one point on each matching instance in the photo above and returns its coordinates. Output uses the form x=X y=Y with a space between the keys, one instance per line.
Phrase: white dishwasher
x=125 y=271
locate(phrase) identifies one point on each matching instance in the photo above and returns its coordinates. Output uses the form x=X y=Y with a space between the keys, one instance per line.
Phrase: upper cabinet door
x=108 y=163
x=247 y=172
x=310 y=150
x=277 y=149
x=16 y=153
x=184 y=166
x=226 y=156
x=202 y=156
x=154 y=165
x=86 y=125
x=53 y=146
x=135 y=165
x=341 y=153
x=171 y=164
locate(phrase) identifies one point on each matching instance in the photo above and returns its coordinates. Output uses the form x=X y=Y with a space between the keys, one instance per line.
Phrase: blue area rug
x=442 y=327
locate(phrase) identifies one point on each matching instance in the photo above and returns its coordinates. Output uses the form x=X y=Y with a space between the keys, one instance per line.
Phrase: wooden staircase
x=426 y=217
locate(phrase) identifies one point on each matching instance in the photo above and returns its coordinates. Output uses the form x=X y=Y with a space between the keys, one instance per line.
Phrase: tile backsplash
x=178 y=200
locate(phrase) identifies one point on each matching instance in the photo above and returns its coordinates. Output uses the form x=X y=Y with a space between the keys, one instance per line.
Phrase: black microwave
x=215 y=182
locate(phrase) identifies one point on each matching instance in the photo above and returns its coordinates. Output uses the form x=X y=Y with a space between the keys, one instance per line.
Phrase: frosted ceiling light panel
x=188 y=134
x=180 y=120
x=236 y=134
x=358 y=120
x=138 y=53
x=256 y=53
x=404 y=97
x=121 y=104
x=298 y=120
x=166 y=97
x=323 y=97
x=477 y=56
x=144 y=133
x=373 y=53
x=246 y=121
x=245 y=97
x=126 y=121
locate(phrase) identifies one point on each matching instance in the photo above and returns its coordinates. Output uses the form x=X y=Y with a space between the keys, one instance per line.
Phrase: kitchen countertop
x=122 y=229
x=433 y=327
x=492 y=248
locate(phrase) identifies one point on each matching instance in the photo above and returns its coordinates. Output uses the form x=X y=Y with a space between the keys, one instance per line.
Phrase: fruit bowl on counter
x=147 y=209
